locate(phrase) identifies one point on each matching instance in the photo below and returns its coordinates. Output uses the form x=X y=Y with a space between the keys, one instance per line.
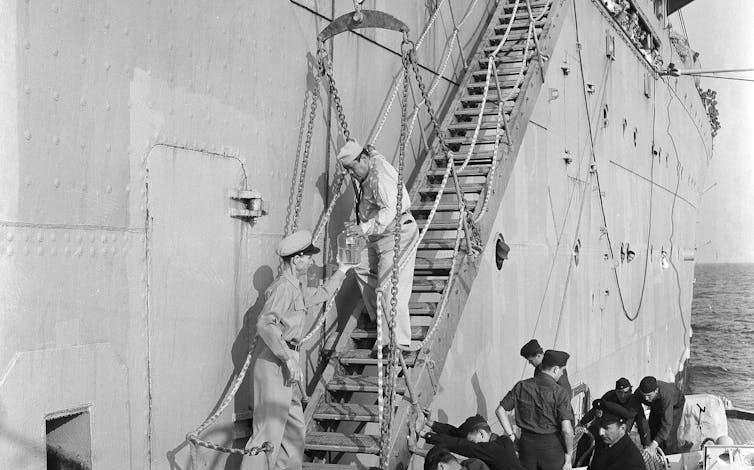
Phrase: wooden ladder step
x=430 y=264
x=458 y=158
x=480 y=140
x=480 y=170
x=490 y=109
x=508 y=47
x=443 y=206
x=341 y=442
x=471 y=126
x=502 y=70
x=515 y=57
x=451 y=189
x=533 y=5
x=518 y=24
x=416 y=333
x=331 y=466
x=513 y=35
x=422 y=308
x=429 y=285
x=359 y=383
x=437 y=244
x=346 y=412
x=505 y=82
x=363 y=357
x=521 y=14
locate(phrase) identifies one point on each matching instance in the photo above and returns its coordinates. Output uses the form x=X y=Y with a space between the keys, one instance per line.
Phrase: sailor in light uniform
x=376 y=216
x=278 y=415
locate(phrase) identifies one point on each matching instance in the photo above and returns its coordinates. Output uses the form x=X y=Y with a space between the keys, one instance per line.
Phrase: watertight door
x=193 y=248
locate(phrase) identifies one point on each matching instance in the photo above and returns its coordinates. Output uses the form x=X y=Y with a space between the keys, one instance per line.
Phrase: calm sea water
x=722 y=347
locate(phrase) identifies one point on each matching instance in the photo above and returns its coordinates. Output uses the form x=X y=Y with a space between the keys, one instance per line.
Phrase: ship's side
x=129 y=294
x=124 y=283
x=571 y=221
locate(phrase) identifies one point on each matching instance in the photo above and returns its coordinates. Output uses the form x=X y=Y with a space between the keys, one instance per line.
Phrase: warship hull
x=129 y=294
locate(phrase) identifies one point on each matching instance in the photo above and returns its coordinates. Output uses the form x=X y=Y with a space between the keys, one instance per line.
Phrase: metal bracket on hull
x=367 y=19
x=253 y=205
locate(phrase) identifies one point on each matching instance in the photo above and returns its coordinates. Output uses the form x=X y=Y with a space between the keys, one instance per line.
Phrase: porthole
x=501 y=251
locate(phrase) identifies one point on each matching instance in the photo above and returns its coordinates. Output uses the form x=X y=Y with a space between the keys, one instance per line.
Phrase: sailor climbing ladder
x=448 y=203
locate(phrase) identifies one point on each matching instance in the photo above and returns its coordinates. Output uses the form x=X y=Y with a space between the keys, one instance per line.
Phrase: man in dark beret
x=665 y=403
x=621 y=395
x=439 y=458
x=474 y=439
x=533 y=353
x=544 y=414
x=618 y=451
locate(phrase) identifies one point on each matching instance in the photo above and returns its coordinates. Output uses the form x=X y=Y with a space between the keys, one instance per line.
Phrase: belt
x=293 y=346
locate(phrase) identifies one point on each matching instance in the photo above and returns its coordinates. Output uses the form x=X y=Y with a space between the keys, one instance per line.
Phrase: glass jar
x=350 y=248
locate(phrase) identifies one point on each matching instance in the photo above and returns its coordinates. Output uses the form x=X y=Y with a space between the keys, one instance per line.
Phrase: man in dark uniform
x=544 y=414
x=618 y=451
x=475 y=439
x=621 y=395
x=665 y=403
x=439 y=458
x=533 y=353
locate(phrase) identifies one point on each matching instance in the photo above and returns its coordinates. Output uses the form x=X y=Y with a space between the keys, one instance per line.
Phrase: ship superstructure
x=136 y=135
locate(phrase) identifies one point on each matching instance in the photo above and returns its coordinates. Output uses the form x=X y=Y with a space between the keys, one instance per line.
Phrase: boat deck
x=741 y=426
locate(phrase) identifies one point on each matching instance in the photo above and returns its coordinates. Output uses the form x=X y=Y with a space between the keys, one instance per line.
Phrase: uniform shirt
x=283 y=316
x=634 y=406
x=498 y=453
x=623 y=455
x=562 y=381
x=668 y=399
x=540 y=403
x=379 y=196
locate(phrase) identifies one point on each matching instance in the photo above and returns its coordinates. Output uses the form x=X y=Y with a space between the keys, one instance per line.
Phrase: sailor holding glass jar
x=376 y=201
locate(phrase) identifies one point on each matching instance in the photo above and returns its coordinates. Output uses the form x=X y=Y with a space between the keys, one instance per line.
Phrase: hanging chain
x=327 y=70
x=307 y=145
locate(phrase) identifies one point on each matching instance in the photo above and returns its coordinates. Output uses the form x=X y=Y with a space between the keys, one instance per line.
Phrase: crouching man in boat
x=618 y=451
x=474 y=439
x=439 y=458
x=623 y=396
x=278 y=414
x=376 y=201
x=665 y=403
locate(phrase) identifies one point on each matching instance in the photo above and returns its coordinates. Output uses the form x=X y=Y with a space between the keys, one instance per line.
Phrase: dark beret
x=469 y=425
x=532 y=348
x=622 y=383
x=608 y=412
x=648 y=384
x=555 y=358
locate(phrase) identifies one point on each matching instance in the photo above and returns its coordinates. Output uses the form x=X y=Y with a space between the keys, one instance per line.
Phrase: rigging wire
x=721 y=78
x=629 y=316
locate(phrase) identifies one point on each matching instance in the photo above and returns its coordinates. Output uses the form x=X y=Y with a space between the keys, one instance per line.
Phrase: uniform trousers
x=541 y=451
x=278 y=416
x=376 y=269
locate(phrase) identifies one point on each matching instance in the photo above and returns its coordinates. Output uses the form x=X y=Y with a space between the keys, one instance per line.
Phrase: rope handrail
x=448 y=48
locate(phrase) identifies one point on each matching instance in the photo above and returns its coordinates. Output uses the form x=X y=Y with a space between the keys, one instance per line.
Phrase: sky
x=721 y=31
